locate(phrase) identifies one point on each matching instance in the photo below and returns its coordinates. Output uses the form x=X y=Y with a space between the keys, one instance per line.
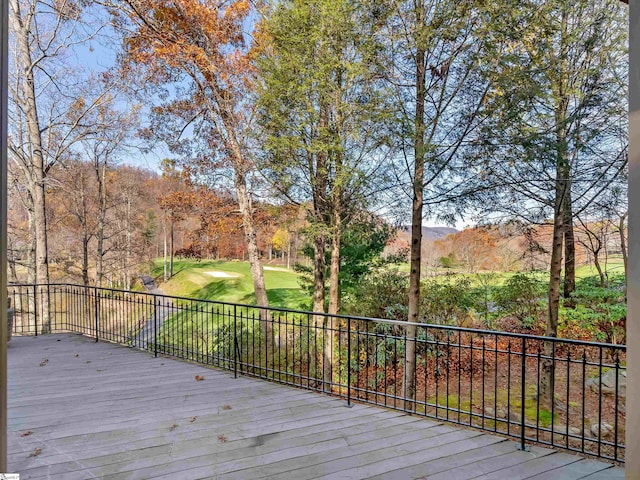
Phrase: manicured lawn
x=196 y=280
x=614 y=266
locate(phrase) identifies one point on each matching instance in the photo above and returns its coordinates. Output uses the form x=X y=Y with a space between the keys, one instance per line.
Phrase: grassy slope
x=191 y=280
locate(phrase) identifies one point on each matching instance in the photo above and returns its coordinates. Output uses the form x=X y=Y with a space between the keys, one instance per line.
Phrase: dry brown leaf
x=192 y=419
x=173 y=427
x=27 y=433
x=36 y=452
x=199 y=378
x=222 y=438
x=44 y=362
x=227 y=407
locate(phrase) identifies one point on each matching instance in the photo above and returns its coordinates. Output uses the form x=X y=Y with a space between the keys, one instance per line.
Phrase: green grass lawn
x=614 y=266
x=191 y=279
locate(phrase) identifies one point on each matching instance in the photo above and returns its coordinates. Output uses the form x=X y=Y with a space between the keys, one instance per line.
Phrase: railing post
x=49 y=308
x=523 y=393
x=97 y=306
x=349 y=362
x=35 y=309
x=616 y=407
x=235 y=343
x=155 y=325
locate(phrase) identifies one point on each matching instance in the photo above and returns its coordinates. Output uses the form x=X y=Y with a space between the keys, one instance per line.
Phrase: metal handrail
x=494 y=381
x=339 y=316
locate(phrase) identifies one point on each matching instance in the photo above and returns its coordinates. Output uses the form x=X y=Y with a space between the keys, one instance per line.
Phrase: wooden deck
x=80 y=410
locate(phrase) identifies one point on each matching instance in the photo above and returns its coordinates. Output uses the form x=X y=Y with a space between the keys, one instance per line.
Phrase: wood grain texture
x=80 y=409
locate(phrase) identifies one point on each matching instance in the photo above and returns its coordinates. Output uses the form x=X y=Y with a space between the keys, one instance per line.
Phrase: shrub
x=449 y=261
x=520 y=297
x=599 y=313
x=447 y=301
x=381 y=293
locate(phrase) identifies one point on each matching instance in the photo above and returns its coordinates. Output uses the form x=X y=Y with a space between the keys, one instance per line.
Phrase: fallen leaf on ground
x=173 y=427
x=44 y=362
x=199 y=378
x=27 y=433
x=36 y=452
x=192 y=419
x=227 y=407
x=222 y=439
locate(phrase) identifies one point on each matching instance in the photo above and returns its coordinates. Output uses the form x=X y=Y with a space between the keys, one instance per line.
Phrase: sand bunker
x=277 y=269
x=220 y=274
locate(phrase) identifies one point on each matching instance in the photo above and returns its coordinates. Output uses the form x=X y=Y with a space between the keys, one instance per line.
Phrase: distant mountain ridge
x=432 y=233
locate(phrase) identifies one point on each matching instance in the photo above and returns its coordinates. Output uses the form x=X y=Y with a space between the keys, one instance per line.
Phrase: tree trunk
x=246 y=211
x=171 y=247
x=596 y=262
x=547 y=380
x=562 y=190
x=85 y=259
x=85 y=245
x=321 y=219
x=36 y=181
x=257 y=274
x=409 y=381
x=334 y=299
x=101 y=178
x=319 y=272
x=127 y=252
x=623 y=243
x=42 y=257
x=569 y=246
x=31 y=266
x=165 y=271
x=605 y=242
x=11 y=262
x=31 y=252
x=548 y=375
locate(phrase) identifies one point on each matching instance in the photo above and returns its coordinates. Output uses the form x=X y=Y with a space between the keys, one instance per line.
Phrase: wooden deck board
x=490 y=465
x=575 y=470
x=98 y=410
x=609 y=474
x=467 y=464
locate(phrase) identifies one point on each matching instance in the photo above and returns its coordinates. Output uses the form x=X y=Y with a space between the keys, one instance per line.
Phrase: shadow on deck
x=81 y=410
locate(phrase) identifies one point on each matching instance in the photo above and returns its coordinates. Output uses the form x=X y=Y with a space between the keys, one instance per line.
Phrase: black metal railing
x=558 y=392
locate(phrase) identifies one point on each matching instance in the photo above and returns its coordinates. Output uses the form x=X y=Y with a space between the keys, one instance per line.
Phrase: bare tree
x=46 y=111
x=594 y=239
